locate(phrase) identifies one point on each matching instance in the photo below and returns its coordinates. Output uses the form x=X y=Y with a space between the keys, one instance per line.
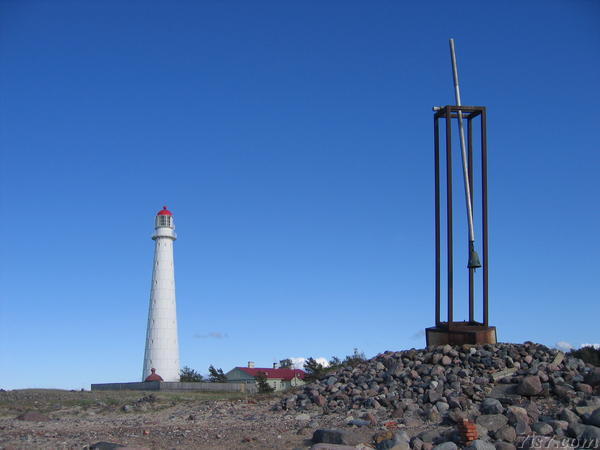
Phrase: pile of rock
x=514 y=393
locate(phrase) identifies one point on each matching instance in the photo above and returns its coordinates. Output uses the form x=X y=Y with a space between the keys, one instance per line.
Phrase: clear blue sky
x=293 y=142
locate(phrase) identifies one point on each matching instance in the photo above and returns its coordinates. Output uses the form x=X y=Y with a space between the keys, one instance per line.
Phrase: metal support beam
x=470 y=165
x=436 y=134
x=484 y=214
x=450 y=253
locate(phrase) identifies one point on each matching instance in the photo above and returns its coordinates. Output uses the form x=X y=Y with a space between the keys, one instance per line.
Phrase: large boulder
x=332 y=436
x=506 y=434
x=568 y=415
x=492 y=422
x=589 y=433
x=530 y=385
x=491 y=406
x=594 y=418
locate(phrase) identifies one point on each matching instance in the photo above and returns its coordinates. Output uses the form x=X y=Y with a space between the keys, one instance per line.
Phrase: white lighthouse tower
x=162 y=345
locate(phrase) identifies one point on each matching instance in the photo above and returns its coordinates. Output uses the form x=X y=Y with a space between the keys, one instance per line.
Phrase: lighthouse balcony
x=164 y=232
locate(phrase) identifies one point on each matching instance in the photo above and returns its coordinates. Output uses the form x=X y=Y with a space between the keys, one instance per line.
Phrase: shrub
x=190 y=375
x=263 y=386
x=588 y=354
x=354 y=359
x=313 y=369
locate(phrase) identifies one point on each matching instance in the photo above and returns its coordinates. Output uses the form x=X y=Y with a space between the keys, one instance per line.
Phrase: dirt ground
x=77 y=420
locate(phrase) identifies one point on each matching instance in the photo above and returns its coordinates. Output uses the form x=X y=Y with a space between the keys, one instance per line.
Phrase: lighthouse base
x=459 y=333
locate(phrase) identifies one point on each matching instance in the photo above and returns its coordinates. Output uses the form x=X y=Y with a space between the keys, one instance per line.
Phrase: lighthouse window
x=163 y=221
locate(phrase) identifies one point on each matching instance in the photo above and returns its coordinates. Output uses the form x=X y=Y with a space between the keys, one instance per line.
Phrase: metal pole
x=471 y=269
x=472 y=262
x=436 y=134
x=484 y=213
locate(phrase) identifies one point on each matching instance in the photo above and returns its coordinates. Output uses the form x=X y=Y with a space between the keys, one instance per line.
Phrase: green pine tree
x=263 y=386
x=190 y=375
x=216 y=375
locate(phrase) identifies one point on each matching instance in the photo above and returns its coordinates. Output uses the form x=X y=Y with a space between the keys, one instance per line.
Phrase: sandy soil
x=76 y=420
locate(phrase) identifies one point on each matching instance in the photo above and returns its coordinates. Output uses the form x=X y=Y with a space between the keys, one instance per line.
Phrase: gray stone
x=501 y=445
x=482 y=432
x=595 y=418
x=522 y=428
x=392 y=444
x=503 y=373
x=402 y=436
x=442 y=407
x=585 y=388
x=413 y=422
x=585 y=410
x=457 y=415
x=542 y=428
x=332 y=447
x=433 y=396
x=491 y=406
x=507 y=434
x=492 y=422
x=575 y=429
x=359 y=422
x=530 y=385
x=401 y=446
x=563 y=392
x=103 y=445
x=568 y=415
x=446 y=446
x=588 y=432
x=560 y=356
x=430 y=436
x=303 y=417
x=446 y=360
x=593 y=401
x=516 y=413
x=416 y=443
x=559 y=424
x=480 y=445
x=331 y=436
x=331 y=380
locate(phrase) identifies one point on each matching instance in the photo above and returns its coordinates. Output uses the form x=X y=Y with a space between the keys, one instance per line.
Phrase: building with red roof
x=278 y=379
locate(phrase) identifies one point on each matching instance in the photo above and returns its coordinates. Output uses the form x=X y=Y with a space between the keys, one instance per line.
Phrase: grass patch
x=47 y=401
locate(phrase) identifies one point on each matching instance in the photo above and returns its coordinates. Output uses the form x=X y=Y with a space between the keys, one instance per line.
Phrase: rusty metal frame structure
x=448 y=113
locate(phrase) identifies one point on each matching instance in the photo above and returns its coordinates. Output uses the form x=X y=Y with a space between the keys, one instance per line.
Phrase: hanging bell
x=474 y=262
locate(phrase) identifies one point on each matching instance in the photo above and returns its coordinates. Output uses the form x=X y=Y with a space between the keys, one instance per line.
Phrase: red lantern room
x=164 y=218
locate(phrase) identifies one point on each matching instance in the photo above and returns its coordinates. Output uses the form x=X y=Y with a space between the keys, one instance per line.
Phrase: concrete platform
x=166 y=386
x=458 y=333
